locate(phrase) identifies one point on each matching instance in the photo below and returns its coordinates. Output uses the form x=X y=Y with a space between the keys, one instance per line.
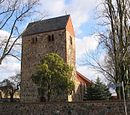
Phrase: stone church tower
x=40 y=38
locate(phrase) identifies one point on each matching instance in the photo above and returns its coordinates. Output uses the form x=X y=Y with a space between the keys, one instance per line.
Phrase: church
x=54 y=35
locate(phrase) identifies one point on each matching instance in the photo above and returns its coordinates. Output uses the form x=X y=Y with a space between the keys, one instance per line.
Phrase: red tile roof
x=83 y=77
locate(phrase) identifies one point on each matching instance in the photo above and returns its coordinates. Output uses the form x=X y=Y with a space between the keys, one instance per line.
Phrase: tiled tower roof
x=46 y=25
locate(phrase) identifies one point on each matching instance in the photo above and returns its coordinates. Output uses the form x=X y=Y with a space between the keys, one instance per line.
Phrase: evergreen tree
x=97 y=91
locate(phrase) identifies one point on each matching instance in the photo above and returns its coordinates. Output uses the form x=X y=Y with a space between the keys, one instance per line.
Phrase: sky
x=83 y=14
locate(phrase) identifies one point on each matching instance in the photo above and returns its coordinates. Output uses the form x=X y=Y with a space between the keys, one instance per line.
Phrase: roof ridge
x=51 y=18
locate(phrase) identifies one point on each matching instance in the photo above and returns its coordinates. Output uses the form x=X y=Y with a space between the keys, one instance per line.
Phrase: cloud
x=3 y=35
x=86 y=45
x=80 y=10
x=9 y=67
x=52 y=7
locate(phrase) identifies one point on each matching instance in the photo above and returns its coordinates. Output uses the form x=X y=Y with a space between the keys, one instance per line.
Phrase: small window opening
x=34 y=40
x=70 y=40
x=50 y=38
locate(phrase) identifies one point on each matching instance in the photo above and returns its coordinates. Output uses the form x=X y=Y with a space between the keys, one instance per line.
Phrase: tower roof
x=46 y=25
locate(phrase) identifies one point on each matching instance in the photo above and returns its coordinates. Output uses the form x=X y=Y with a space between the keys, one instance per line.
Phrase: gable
x=69 y=27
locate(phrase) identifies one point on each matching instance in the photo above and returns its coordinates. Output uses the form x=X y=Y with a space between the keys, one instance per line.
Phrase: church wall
x=33 y=49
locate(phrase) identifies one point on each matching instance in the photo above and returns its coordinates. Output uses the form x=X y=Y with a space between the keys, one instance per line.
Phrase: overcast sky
x=83 y=14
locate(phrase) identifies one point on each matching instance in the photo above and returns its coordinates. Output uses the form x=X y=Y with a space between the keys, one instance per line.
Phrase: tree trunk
x=49 y=96
x=11 y=97
x=118 y=93
x=49 y=92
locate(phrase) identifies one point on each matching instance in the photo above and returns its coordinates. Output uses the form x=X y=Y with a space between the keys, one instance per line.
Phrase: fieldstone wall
x=64 y=108
x=34 y=48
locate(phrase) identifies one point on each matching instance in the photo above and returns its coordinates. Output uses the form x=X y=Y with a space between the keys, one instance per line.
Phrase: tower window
x=50 y=38
x=34 y=40
x=70 y=40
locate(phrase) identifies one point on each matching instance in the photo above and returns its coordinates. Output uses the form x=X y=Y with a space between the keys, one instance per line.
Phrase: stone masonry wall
x=33 y=49
x=62 y=108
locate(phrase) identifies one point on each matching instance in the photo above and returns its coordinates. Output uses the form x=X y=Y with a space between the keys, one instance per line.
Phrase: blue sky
x=83 y=14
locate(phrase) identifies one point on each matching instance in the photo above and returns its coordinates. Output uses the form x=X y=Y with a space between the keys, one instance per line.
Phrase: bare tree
x=10 y=86
x=116 y=41
x=14 y=13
